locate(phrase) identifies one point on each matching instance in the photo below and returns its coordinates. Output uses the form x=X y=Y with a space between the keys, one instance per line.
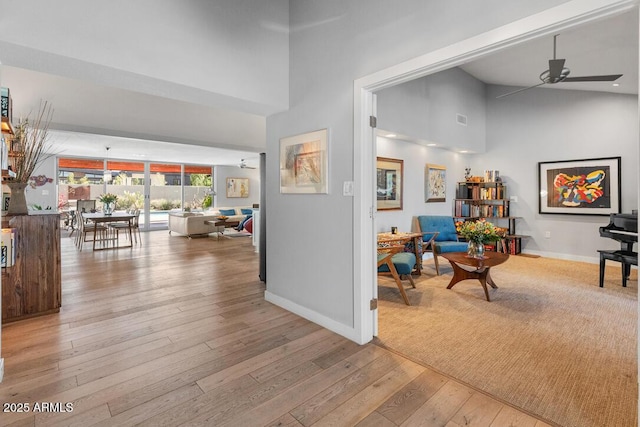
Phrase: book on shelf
x=7 y=247
x=491 y=175
x=513 y=245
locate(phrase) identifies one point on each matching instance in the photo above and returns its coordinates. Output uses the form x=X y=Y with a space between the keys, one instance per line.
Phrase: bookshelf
x=488 y=200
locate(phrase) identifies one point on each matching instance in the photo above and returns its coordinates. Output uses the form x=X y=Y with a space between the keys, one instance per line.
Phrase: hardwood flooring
x=177 y=331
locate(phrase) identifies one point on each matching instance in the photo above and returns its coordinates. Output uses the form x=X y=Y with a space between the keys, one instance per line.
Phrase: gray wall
x=543 y=125
x=415 y=157
x=332 y=43
x=427 y=109
x=521 y=130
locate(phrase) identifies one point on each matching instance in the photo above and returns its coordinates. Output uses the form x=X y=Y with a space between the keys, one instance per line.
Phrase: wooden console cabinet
x=33 y=285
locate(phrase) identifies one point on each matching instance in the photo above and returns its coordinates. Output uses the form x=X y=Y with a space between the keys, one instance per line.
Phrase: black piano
x=624 y=229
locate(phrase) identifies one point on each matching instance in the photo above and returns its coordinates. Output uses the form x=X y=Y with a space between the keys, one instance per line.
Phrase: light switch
x=347 y=188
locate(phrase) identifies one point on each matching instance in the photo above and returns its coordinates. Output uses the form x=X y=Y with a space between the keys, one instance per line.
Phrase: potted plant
x=34 y=147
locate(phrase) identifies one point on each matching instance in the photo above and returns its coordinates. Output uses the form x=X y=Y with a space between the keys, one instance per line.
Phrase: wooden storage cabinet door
x=32 y=286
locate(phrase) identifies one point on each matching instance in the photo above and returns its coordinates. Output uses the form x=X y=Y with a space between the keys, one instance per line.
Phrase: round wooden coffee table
x=480 y=267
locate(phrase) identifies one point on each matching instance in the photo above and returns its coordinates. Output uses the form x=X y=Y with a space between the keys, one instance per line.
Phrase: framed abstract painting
x=304 y=167
x=580 y=187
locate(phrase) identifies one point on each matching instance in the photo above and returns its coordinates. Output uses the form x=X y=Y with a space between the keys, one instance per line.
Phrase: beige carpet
x=550 y=341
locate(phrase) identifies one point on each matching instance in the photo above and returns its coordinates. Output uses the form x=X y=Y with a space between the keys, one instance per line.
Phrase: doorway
x=544 y=24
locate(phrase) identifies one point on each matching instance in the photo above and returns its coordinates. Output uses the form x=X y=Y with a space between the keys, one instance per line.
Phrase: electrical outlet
x=547 y=234
x=514 y=199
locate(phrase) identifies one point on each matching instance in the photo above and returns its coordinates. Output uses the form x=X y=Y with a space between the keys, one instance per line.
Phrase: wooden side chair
x=393 y=260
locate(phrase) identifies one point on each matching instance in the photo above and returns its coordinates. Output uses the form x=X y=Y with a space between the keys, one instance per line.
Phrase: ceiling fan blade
x=606 y=78
x=555 y=68
x=519 y=90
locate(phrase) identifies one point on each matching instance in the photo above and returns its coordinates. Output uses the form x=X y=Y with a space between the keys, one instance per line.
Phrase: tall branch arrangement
x=33 y=138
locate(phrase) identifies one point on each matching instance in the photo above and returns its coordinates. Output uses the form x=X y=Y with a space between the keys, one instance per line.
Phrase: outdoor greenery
x=200 y=180
x=71 y=179
x=164 y=204
x=130 y=200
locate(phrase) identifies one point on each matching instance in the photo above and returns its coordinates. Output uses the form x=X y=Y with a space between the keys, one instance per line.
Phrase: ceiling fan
x=558 y=73
x=243 y=165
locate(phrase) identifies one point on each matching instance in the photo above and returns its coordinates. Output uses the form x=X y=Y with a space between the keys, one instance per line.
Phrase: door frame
x=545 y=23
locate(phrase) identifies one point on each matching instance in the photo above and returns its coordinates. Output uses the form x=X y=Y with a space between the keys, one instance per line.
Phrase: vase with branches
x=33 y=147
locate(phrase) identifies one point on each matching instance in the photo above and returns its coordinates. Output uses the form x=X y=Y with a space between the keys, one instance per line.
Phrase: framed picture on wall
x=237 y=187
x=6 y=197
x=435 y=180
x=304 y=167
x=389 y=183
x=580 y=187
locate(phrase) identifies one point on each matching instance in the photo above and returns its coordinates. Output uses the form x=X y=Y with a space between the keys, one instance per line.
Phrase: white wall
x=332 y=43
x=221 y=173
x=45 y=195
x=543 y=125
x=234 y=49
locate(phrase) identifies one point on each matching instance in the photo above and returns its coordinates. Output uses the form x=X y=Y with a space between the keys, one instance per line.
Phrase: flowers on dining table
x=107 y=198
x=480 y=231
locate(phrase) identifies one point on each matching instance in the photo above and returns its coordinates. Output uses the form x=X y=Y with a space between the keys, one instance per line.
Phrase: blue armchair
x=439 y=235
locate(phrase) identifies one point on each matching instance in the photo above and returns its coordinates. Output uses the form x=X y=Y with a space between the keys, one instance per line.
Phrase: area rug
x=551 y=341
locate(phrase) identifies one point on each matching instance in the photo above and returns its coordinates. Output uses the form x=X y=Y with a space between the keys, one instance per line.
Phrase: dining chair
x=135 y=226
x=85 y=228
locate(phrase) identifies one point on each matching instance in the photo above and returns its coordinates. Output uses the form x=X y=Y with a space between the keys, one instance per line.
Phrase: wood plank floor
x=176 y=331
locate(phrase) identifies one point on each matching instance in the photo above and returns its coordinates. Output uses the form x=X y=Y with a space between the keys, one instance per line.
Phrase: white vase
x=107 y=209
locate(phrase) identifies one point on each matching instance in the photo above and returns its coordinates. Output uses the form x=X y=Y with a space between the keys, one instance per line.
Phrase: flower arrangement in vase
x=108 y=201
x=477 y=233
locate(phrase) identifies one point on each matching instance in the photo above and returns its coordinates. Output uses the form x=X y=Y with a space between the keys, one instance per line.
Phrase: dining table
x=109 y=241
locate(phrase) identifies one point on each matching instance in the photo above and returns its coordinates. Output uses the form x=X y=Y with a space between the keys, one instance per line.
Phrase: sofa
x=235 y=213
x=193 y=223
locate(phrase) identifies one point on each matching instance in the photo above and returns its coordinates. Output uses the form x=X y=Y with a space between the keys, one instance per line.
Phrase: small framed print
x=237 y=187
x=389 y=183
x=435 y=183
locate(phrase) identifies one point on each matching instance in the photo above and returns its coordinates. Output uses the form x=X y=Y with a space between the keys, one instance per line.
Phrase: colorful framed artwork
x=435 y=183
x=237 y=187
x=389 y=183
x=580 y=187
x=304 y=166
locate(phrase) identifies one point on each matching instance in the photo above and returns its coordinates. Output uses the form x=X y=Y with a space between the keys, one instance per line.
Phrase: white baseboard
x=315 y=317
x=1 y=369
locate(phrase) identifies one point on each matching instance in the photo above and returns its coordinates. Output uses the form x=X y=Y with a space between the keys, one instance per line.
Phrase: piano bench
x=626 y=258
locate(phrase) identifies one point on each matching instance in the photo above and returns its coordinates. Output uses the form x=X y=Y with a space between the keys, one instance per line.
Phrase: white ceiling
x=89 y=117
x=604 y=47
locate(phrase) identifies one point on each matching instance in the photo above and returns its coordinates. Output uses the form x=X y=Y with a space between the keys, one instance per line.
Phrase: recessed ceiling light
x=431 y=145
x=464 y=151
x=616 y=84
x=391 y=135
